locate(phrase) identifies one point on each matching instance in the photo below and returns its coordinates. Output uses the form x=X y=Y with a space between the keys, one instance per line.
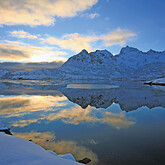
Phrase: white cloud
x=40 y=12
x=107 y=18
x=90 y=15
x=23 y=34
x=93 y=15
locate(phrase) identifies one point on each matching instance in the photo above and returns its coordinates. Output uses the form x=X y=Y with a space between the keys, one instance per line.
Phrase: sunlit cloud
x=21 y=53
x=19 y=105
x=15 y=43
x=41 y=12
x=74 y=115
x=118 y=36
x=48 y=141
x=77 y=115
x=23 y=34
x=117 y=120
x=13 y=52
x=23 y=123
x=76 y=42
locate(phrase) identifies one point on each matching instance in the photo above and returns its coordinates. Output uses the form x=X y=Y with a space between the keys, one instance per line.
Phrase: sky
x=53 y=30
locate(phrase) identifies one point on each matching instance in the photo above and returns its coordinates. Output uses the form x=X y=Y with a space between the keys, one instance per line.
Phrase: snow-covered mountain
x=3 y=72
x=101 y=64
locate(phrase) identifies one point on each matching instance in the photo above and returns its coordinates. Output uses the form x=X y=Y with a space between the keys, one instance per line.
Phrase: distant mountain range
x=101 y=64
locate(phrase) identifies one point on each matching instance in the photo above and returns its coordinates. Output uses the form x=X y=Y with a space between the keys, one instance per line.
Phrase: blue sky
x=54 y=30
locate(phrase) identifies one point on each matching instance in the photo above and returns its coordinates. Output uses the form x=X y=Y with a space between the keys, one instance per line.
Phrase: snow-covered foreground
x=17 y=151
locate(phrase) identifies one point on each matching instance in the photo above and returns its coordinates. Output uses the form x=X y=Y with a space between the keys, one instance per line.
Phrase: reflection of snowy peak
x=130 y=96
x=101 y=64
x=96 y=98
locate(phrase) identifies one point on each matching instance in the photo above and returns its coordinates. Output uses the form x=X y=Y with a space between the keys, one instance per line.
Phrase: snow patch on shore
x=18 y=151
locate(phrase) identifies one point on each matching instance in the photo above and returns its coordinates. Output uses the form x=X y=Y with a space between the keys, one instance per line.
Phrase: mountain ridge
x=102 y=64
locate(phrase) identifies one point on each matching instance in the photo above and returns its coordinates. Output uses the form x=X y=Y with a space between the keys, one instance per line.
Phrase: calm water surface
x=122 y=123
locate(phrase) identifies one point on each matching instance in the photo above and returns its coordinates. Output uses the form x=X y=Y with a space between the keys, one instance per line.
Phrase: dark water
x=112 y=123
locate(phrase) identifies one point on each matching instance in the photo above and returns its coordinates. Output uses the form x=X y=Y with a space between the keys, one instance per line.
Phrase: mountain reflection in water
x=89 y=122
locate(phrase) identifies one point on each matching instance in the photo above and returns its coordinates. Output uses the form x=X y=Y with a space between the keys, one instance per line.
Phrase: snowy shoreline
x=18 y=151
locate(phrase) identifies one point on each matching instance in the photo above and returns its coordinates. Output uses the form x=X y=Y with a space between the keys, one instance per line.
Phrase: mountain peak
x=152 y=51
x=128 y=49
x=103 y=52
x=84 y=51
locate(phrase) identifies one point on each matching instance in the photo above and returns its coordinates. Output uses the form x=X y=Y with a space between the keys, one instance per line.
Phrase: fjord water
x=112 y=123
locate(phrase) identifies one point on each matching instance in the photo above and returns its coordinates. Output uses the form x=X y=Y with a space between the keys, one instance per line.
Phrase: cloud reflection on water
x=16 y=105
x=56 y=108
x=48 y=141
x=77 y=115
